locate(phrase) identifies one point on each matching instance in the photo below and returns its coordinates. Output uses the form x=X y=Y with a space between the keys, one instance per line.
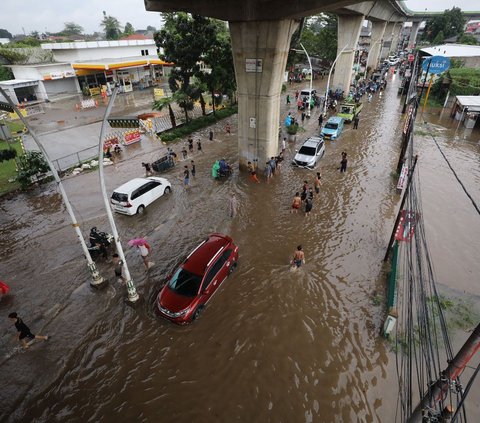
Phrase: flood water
x=272 y=345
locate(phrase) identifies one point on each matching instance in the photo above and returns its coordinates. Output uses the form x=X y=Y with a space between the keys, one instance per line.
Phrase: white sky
x=50 y=15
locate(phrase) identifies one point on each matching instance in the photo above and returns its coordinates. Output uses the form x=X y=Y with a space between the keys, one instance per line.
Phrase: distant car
x=333 y=128
x=197 y=278
x=306 y=92
x=393 y=60
x=311 y=151
x=132 y=197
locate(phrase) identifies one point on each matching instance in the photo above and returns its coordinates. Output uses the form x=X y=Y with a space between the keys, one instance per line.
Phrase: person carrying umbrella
x=144 y=249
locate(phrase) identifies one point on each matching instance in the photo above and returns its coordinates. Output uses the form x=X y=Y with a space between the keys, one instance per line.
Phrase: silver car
x=311 y=151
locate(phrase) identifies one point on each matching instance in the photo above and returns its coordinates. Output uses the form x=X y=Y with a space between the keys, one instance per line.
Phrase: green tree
x=451 y=23
x=71 y=28
x=319 y=37
x=5 y=73
x=184 y=39
x=111 y=26
x=128 y=29
x=166 y=102
x=439 y=38
x=221 y=78
x=31 y=165
x=5 y=34
x=151 y=28
x=467 y=39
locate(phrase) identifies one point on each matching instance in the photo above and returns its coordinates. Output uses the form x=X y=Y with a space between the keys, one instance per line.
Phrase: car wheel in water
x=167 y=190
x=233 y=267
x=196 y=313
x=140 y=209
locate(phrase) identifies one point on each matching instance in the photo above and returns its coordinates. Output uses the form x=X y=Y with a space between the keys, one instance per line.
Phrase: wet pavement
x=272 y=345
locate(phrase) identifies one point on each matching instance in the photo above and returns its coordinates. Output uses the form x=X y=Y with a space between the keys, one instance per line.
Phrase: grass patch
x=459 y=313
x=421 y=133
x=8 y=169
x=15 y=126
x=196 y=124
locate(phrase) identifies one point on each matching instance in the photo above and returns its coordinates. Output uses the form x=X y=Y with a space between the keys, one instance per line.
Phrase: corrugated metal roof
x=453 y=50
x=472 y=102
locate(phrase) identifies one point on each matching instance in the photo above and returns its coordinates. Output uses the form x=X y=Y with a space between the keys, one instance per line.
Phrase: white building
x=89 y=67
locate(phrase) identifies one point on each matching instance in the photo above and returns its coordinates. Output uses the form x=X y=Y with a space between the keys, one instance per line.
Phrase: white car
x=393 y=60
x=310 y=153
x=133 y=196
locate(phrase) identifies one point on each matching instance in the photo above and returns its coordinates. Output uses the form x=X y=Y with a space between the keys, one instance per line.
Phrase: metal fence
x=76 y=159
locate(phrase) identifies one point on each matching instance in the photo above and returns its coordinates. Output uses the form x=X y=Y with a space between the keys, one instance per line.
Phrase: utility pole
x=97 y=280
x=311 y=80
x=438 y=390
x=132 y=296
x=405 y=194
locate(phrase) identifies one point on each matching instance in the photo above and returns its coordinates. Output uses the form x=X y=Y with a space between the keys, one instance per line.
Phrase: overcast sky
x=50 y=15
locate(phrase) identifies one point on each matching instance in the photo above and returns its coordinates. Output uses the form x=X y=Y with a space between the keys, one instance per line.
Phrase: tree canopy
x=71 y=28
x=111 y=26
x=5 y=34
x=188 y=40
x=468 y=39
x=448 y=24
x=129 y=30
x=319 y=37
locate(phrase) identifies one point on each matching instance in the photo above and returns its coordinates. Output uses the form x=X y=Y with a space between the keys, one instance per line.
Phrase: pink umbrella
x=4 y=288
x=137 y=241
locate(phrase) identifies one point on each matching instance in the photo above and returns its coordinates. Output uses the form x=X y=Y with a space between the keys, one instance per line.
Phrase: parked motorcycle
x=100 y=243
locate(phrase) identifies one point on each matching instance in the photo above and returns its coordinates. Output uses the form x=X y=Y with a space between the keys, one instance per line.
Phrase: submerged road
x=272 y=345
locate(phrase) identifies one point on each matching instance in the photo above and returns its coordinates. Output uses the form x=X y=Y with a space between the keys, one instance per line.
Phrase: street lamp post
x=132 y=295
x=328 y=81
x=96 y=278
x=311 y=79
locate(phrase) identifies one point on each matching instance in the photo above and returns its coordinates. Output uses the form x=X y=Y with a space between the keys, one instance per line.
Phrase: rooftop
x=472 y=102
x=97 y=44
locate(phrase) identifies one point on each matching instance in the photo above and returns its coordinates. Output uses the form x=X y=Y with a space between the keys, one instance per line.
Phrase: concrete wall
x=64 y=85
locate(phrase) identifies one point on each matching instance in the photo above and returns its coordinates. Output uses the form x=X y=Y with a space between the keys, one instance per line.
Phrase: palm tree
x=166 y=102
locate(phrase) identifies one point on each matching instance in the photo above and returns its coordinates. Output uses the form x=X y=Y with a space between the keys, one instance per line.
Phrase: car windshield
x=308 y=151
x=346 y=109
x=331 y=125
x=185 y=283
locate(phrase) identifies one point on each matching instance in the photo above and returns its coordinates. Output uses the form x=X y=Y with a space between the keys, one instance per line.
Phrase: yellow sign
x=158 y=93
x=14 y=116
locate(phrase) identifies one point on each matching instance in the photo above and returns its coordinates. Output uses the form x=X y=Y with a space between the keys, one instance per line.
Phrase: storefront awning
x=102 y=66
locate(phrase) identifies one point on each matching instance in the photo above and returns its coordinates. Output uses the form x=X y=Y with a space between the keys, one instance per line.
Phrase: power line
x=456 y=176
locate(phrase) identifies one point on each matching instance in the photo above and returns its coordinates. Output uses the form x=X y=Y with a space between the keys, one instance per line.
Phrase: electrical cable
x=456 y=176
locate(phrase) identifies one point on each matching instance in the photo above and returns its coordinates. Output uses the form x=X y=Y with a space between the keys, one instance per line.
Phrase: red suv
x=197 y=279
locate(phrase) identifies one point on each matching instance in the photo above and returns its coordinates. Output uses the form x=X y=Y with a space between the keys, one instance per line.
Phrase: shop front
x=129 y=74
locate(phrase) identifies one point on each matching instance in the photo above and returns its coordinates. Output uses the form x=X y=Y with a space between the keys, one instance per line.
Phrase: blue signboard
x=436 y=64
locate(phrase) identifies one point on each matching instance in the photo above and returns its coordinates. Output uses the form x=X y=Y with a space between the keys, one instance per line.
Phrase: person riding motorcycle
x=98 y=240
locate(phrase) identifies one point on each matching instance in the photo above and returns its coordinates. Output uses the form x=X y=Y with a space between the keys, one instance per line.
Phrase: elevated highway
x=261 y=31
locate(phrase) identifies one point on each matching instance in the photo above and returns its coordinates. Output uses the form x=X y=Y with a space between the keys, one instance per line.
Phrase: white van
x=306 y=92
x=132 y=197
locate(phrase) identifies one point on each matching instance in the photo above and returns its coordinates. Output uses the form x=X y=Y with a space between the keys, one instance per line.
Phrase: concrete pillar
x=413 y=34
x=396 y=37
x=349 y=27
x=378 y=31
x=260 y=51
x=387 y=40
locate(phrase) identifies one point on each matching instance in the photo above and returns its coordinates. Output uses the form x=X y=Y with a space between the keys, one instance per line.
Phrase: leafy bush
x=196 y=124
x=7 y=154
x=31 y=165
x=292 y=129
